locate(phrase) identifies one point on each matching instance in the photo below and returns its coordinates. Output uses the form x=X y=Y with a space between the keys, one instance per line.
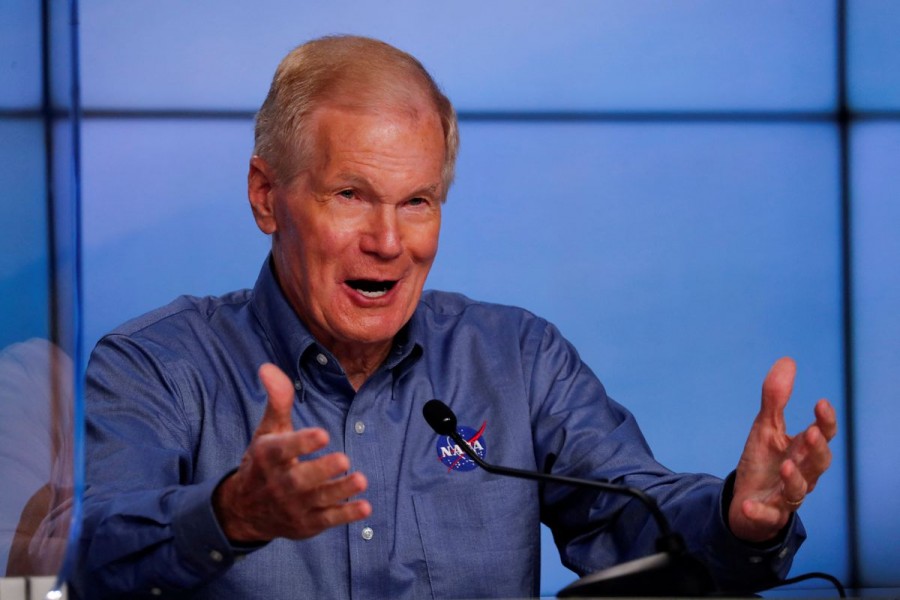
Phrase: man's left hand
x=777 y=470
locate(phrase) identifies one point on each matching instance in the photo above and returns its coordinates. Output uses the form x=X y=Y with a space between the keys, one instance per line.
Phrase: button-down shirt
x=173 y=399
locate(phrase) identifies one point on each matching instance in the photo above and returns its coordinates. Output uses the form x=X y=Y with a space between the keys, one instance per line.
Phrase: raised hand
x=275 y=492
x=777 y=470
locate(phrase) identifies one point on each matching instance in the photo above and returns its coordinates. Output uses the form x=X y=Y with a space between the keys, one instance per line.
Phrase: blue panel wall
x=510 y=55
x=874 y=54
x=876 y=217
x=165 y=214
x=20 y=57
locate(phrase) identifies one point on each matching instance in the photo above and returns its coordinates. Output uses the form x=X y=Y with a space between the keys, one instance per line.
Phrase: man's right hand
x=274 y=492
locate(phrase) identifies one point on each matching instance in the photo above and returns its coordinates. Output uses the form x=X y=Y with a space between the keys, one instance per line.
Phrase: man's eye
x=417 y=201
x=348 y=194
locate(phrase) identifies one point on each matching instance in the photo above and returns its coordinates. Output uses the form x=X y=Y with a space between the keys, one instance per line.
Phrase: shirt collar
x=285 y=331
x=407 y=346
x=291 y=339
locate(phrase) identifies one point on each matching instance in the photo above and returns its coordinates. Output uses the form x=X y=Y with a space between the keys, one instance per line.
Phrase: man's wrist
x=776 y=540
x=236 y=529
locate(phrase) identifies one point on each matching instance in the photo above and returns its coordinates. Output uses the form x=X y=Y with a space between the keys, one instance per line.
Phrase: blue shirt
x=173 y=399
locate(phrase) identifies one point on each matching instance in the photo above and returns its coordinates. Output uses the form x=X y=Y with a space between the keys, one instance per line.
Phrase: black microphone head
x=440 y=417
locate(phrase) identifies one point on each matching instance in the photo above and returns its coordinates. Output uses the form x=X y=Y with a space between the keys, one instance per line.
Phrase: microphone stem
x=648 y=501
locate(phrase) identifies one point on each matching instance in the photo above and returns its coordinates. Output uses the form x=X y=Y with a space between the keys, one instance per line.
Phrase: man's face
x=356 y=232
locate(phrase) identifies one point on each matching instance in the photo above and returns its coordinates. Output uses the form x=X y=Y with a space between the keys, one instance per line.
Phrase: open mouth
x=370 y=288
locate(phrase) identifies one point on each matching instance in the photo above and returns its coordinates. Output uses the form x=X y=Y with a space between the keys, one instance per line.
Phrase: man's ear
x=261 y=193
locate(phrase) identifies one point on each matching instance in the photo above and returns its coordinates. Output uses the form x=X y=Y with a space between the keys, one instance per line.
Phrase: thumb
x=277 y=418
x=777 y=389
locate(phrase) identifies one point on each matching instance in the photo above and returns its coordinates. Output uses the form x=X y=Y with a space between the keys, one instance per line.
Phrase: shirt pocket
x=481 y=540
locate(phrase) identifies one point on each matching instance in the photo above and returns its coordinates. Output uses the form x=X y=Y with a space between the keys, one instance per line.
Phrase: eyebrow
x=363 y=182
x=433 y=189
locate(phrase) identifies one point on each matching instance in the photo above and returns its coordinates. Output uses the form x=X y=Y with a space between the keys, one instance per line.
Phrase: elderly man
x=319 y=477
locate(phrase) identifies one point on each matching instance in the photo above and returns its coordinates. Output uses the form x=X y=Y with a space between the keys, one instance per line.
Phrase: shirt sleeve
x=148 y=528
x=579 y=431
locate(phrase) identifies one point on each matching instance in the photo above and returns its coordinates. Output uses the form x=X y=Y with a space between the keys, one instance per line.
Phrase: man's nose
x=382 y=235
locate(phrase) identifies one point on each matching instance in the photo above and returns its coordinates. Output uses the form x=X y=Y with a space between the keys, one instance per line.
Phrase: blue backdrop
x=664 y=181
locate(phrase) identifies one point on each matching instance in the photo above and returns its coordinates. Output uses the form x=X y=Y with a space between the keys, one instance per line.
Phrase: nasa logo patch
x=452 y=455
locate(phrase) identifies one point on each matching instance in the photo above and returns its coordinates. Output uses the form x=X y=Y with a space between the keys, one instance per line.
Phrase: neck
x=360 y=362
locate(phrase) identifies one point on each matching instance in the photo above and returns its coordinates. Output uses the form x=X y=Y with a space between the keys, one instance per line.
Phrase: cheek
x=421 y=239
x=427 y=245
x=316 y=242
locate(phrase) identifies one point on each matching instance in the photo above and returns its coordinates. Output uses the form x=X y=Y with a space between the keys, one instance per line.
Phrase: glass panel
x=876 y=240
x=873 y=54
x=508 y=55
x=23 y=231
x=25 y=353
x=38 y=362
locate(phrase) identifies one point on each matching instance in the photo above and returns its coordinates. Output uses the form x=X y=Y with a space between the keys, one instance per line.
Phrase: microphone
x=670 y=571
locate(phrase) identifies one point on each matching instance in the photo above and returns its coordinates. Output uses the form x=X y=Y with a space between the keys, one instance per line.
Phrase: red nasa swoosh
x=471 y=441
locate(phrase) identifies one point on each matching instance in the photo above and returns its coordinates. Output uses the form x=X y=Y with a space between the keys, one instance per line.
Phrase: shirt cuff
x=773 y=557
x=767 y=546
x=199 y=538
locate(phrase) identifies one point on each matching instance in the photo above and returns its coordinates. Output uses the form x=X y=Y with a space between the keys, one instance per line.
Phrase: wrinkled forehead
x=399 y=138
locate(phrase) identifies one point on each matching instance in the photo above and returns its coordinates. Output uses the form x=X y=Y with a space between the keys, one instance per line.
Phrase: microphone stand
x=670 y=571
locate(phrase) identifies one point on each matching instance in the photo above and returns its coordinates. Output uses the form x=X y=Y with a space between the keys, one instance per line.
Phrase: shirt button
x=298 y=385
x=783 y=553
x=156 y=592
x=216 y=556
x=321 y=359
x=755 y=559
x=367 y=533
x=359 y=427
